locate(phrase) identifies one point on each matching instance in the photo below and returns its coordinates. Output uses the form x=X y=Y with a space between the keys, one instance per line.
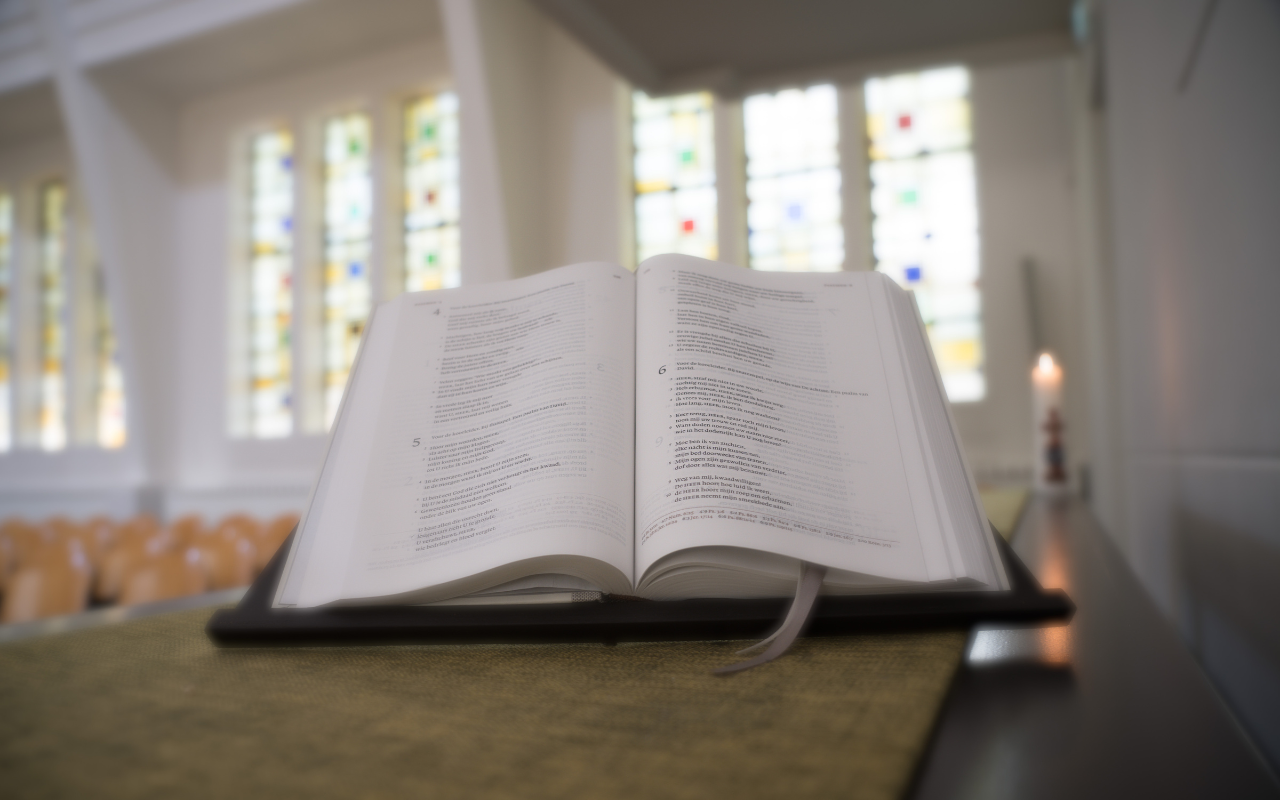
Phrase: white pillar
x=731 y=176
x=855 y=212
x=123 y=145
x=497 y=49
x=486 y=249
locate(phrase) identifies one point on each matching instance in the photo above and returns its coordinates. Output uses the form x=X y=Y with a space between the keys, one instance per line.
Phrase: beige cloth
x=1004 y=507
x=150 y=708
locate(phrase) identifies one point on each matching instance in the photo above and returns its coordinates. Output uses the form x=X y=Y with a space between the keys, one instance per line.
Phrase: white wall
x=558 y=160
x=587 y=194
x=209 y=462
x=1026 y=203
x=550 y=125
x=546 y=167
x=167 y=188
x=152 y=164
x=79 y=479
x=1196 y=191
x=574 y=192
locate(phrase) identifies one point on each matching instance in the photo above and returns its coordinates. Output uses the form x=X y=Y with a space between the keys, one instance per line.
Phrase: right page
x=778 y=414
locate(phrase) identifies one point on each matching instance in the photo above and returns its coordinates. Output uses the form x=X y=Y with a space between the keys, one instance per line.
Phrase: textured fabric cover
x=150 y=708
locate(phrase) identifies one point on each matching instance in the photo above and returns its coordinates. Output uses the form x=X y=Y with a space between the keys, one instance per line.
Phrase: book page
x=504 y=437
x=765 y=421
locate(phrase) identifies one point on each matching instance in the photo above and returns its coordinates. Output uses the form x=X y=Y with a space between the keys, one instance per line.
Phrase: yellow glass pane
x=271 y=284
x=6 y=278
x=958 y=355
x=52 y=308
x=348 y=229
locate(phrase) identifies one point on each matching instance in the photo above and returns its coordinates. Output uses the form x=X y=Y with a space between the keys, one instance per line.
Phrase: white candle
x=1050 y=452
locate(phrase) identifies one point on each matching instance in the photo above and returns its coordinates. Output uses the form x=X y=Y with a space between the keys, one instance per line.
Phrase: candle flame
x=1046 y=363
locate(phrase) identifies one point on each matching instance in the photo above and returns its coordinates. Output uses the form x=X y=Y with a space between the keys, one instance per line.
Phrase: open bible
x=692 y=430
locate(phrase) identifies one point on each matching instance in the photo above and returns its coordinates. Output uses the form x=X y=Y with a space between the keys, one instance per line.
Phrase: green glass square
x=686 y=156
x=909 y=197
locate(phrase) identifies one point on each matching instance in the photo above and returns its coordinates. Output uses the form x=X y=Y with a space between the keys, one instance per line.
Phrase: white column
x=731 y=191
x=498 y=51
x=855 y=207
x=387 y=241
x=123 y=145
x=486 y=248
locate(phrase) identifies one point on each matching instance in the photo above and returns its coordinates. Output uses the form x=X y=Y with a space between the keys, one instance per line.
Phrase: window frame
x=384 y=106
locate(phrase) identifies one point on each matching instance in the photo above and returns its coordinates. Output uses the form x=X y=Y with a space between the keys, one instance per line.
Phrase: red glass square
x=687 y=226
x=904 y=122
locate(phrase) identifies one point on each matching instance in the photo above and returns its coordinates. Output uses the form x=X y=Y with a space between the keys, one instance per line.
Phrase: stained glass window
x=432 y=252
x=348 y=211
x=109 y=403
x=793 y=180
x=6 y=353
x=675 y=175
x=52 y=307
x=271 y=284
x=925 y=214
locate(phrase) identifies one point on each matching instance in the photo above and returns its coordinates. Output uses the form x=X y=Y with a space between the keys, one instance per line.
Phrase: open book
x=690 y=430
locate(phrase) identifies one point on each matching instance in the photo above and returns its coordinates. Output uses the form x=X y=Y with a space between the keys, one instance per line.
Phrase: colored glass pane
x=432 y=206
x=271 y=285
x=793 y=180
x=675 y=175
x=925 y=213
x=6 y=352
x=109 y=405
x=52 y=308
x=348 y=227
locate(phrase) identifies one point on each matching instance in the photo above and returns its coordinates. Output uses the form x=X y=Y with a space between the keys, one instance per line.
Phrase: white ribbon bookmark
x=780 y=641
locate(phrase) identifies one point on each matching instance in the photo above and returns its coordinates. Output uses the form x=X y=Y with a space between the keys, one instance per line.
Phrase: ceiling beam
x=608 y=43
x=612 y=46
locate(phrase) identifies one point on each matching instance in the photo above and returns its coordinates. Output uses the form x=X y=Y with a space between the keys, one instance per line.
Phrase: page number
x=662 y=370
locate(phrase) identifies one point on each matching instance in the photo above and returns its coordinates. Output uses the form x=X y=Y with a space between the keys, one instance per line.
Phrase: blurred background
x=200 y=202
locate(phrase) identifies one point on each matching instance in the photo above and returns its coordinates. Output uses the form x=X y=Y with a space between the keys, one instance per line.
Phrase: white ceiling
x=294 y=39
x=30 y=113
x=732 y=44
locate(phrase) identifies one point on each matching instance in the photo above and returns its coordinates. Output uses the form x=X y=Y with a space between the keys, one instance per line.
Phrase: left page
x=487 y=435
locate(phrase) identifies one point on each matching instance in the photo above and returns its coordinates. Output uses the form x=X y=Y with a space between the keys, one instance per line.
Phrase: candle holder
x=1050 y=456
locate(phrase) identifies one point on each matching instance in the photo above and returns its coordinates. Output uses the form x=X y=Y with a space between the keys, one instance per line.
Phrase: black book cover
x=255 y=623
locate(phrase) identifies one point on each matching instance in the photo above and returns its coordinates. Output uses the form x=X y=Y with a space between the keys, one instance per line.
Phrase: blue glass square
x=913 y=274
x=355 y=269
x=795 y=211
x=287 y=222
